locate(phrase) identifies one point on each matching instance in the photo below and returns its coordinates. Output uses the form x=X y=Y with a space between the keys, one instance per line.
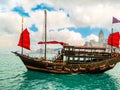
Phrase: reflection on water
x=45 y=81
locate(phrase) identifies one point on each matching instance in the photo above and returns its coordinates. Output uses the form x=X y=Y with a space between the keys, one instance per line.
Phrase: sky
x=71 y=21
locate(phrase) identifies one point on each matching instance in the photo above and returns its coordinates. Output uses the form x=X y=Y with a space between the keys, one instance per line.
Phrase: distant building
x=101 y=36
x=101 y=42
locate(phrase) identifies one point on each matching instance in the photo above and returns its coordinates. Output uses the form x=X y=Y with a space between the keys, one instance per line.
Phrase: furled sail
x=53 y=42
x=114 y=39
x=24 y=39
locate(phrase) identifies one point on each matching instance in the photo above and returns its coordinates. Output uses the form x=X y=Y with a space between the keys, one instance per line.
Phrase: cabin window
x=87 y=59
x=71 y=58
x=71 y=49
x=66 y=49
x=75 y=58
x=77 y=50
x=89 y=50
x=81 y=59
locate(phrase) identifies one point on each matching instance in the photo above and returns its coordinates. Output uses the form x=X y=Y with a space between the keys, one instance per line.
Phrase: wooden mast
x=112 y=41
x=45 y=12
x=22 y=36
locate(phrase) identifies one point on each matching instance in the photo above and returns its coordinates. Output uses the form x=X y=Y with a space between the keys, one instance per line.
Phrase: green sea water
x=14 y=76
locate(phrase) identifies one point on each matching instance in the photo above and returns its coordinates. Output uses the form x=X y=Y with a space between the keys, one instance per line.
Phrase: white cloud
x=55 y=20
x=91 y=37
x=9 y=22
x=71 y=37
x=82 y=13
x=94 y=13
x=9 y=26
x=7 y=41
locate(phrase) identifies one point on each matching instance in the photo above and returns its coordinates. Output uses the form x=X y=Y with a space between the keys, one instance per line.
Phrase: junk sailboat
x=71 y=59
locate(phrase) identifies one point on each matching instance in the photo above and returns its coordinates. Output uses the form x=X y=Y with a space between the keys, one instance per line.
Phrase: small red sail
x=53 y=42
x=114 y=39
x=24 y=39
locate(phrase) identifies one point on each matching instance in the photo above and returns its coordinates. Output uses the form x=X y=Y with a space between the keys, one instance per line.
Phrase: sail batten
x=24 y=39
x=114 y=39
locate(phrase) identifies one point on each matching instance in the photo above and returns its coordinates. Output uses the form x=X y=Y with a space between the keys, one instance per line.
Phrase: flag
x=22 y=19
x=115 y=20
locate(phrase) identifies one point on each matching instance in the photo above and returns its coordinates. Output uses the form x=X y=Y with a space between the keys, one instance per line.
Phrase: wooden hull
x=94 y=67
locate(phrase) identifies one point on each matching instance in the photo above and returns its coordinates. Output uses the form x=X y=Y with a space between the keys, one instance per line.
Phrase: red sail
x=53 y=42
x=113 y=39
x=24 y=40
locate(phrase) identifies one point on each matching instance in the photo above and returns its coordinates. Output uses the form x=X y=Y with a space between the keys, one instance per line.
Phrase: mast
x=45 y=12
x=111 y=40
x=22 y=36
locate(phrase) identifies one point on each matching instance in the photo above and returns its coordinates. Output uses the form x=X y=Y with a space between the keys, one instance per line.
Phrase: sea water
x=14 y=76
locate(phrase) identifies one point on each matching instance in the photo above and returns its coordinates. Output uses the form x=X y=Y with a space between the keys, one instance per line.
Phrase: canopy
x=53 y=42
x=114 y=39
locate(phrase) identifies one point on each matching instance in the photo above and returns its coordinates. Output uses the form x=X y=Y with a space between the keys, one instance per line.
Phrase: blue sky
x=43 y=6
x=74 y=22
x=20 y=11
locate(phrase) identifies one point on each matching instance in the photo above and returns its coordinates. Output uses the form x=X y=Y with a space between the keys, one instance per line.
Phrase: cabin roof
x=89 y=47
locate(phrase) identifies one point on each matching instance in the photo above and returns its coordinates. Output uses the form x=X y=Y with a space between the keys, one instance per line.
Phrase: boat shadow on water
x=45 y=81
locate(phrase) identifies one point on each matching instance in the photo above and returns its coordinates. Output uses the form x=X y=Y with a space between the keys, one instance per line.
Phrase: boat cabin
x=78 y=54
